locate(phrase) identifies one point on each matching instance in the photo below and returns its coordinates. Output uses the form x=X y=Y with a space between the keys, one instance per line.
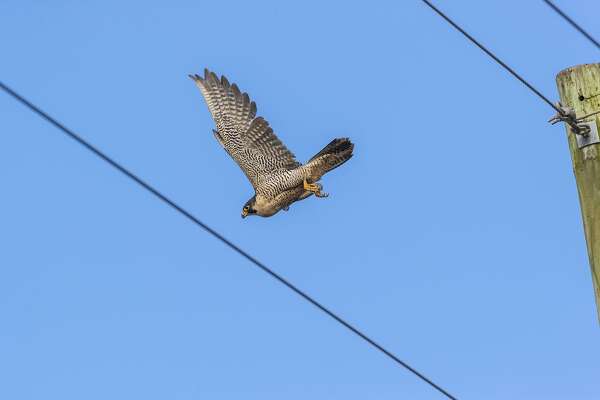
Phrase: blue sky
x=453 y=237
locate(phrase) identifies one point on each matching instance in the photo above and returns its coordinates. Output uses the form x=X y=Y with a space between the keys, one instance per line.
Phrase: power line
x=567 y=119
x=573 y=23
x=217 y=235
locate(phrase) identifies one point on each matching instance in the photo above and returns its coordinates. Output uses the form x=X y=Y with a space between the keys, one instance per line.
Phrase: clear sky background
x=453 y=236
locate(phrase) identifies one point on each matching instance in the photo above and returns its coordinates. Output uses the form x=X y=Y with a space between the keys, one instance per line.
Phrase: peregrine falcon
x=277 y=177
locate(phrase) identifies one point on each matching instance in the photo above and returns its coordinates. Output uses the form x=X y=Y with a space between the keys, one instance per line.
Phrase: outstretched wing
x=248 y=139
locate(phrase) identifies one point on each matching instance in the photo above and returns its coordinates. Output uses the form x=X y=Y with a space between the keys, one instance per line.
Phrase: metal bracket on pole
x=592 y=134
x=586 y=132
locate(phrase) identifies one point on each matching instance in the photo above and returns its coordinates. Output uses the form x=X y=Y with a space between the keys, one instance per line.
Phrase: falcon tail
x=337 y=152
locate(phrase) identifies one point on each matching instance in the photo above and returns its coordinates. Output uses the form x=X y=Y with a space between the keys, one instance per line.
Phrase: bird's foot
x=315 y=188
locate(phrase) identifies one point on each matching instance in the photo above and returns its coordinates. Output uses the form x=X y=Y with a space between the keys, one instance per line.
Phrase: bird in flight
x=277 y=177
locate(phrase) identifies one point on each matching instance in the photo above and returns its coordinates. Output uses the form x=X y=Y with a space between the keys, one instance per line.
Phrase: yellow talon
x=311 y=187
x=314 y=188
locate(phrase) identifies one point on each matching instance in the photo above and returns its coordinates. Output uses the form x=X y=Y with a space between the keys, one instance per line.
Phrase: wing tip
x=198 y=80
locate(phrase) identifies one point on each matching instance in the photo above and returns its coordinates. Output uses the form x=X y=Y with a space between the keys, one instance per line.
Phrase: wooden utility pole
x=579 y=89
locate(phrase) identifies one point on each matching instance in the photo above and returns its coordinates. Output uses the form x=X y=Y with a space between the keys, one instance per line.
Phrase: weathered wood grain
x=579 y=88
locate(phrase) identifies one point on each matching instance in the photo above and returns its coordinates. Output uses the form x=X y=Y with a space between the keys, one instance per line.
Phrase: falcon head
x=249 y=207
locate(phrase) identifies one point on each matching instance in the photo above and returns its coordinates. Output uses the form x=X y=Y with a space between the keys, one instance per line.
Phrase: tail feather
x=336 y=153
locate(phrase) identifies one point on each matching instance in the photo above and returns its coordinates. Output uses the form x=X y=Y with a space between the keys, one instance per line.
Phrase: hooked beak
x=244 y=213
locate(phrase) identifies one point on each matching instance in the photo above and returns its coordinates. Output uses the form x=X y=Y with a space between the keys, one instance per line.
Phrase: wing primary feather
x=248 y=139
x=224 y=81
